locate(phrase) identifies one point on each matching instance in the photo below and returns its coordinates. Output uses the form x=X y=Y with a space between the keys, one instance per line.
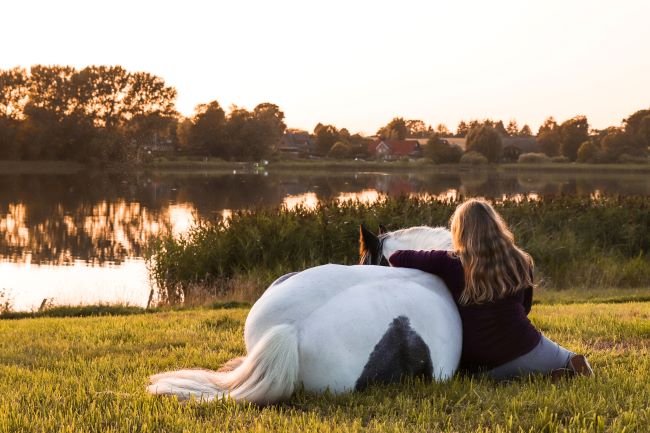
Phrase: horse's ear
x=382 y=229
x=367 y=240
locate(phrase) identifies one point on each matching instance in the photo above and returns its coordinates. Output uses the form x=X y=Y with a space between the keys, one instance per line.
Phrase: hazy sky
x=360 y=63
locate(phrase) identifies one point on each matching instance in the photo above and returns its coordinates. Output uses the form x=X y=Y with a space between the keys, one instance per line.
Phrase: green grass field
x=87 y=374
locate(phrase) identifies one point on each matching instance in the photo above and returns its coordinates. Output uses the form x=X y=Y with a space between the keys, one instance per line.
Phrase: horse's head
x=375 y=249
x=371 y=246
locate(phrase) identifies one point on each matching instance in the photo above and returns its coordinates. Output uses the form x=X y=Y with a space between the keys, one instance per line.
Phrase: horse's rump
x=342 y=323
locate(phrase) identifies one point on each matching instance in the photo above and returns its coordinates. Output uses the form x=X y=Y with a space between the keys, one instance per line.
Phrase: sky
x=358 y=64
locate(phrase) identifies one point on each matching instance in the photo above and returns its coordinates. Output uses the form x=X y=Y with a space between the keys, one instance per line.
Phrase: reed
x=579 y=242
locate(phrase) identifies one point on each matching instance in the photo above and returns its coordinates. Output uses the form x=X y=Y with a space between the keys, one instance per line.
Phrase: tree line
x=106 y=113
x=571 y=140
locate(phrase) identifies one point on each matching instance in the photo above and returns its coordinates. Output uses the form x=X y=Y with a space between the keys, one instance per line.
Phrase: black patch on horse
x=401 y=352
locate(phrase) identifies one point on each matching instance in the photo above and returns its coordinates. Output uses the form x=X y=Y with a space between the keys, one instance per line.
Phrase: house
x=394 y=149
x=296 y=144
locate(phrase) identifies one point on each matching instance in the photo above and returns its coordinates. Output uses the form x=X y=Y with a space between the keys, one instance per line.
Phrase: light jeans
x=544 y=358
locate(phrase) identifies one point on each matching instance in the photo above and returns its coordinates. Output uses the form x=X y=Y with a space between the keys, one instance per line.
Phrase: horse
x=338 y=328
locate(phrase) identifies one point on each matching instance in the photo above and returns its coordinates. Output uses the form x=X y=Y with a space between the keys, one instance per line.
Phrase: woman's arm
x=436 y=262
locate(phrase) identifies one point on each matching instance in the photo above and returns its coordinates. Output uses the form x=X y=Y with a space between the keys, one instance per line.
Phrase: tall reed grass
x=579 y=242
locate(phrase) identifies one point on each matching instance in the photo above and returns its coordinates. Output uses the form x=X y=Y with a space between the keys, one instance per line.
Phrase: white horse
x=340 y=328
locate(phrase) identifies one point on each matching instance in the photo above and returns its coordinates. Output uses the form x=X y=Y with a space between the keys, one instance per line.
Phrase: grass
x=88 y=374
x=184 y=164
x=163 y=163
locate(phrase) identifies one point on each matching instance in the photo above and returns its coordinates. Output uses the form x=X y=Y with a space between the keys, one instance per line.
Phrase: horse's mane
x=416 y=238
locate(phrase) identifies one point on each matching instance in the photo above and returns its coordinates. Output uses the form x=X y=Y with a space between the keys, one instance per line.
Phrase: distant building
x=394 y=149
x=296 y=144
x=524 y=144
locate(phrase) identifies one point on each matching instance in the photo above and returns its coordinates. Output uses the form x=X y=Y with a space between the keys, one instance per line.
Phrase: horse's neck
x=417 y=238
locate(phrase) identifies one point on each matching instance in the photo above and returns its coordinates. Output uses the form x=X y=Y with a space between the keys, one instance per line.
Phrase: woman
x=491 y=281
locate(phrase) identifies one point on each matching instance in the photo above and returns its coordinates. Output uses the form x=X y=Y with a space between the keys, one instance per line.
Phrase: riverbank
x=89 y=374
x=211 y=165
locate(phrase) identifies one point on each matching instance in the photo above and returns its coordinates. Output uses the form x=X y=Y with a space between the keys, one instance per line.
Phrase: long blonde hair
x=494 y=266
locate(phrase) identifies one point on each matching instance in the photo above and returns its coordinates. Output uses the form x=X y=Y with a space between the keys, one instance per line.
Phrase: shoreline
x=226 y=167
x=542 y=297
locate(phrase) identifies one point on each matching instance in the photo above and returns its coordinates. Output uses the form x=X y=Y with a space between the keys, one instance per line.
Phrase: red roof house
x=393 y=149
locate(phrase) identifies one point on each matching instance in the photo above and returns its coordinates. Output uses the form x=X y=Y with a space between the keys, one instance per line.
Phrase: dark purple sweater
x=493 y=333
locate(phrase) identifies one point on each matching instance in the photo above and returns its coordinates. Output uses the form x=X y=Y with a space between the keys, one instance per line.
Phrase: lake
x=69 y=239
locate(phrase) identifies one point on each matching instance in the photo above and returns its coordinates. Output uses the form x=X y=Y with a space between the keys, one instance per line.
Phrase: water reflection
x=26 y=287
x=89 y=232
x=59 y=219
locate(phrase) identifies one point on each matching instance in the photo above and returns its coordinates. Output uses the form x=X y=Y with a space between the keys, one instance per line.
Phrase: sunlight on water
x=367 y=196
x=181 y=217
x=449 y=195
x=308 y=200
x=25 y=286
x=518 y=198
x=13 y=225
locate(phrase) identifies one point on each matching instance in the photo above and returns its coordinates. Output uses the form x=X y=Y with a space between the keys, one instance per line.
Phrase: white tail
x=268 y=374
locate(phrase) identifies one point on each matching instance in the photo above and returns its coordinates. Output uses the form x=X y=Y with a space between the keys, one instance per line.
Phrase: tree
x=588 y=152
x=615 y=142
x=462 y=129
x=525 y=131
x=573 y=133
x=184 y=133
x=548 y=137
x=485 y=140
x=207 y=131
x=443 y=131
x=549 y=125
x=13 y=97
x=340 y=150
x=13 y=93
x=512 y=129
x=251 y=135
x=148 y=94
x=441 y=152
x=417 y=129
x=269 y=127
x=396 y=129
x=638 y=127
x=498 y=126
x=100 y=92
x=326 y=136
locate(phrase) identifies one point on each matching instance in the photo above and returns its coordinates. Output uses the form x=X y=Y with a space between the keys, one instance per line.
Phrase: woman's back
x=494 y=332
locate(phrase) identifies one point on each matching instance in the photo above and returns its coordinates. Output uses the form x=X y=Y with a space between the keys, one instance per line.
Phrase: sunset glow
x=337 y=62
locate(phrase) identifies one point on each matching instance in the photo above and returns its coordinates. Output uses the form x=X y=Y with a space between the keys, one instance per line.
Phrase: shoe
x=580 y=366
x=561 y=373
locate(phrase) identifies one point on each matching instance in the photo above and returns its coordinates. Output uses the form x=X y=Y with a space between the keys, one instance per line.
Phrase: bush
x=487 y=141
x=340 y=150
x=575 y=241
x=441 y=152
x=533 y=158
x=588 y=152
x=626 y=158
x=473 y=158
x=560 y=159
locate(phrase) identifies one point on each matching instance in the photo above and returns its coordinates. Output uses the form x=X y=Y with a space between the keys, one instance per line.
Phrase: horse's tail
x=269 y=373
